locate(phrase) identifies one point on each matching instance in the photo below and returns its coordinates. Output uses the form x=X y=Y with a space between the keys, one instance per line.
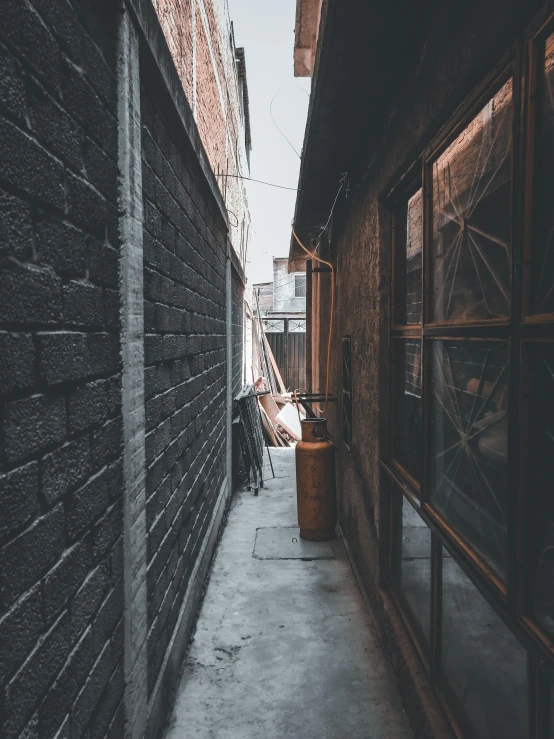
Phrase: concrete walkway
x=283 y=647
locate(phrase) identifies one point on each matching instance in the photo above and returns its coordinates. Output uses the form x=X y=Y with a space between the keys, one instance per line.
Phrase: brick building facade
x=120 y=337
x=201 y=39
x=442 y=353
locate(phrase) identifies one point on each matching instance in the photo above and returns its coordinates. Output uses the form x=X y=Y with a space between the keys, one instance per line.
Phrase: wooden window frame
x=401 y=332
x=507 y=598
x=347 y=391
x=532 y=321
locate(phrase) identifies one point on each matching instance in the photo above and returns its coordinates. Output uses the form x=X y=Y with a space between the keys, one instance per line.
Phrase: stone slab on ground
x=280 y=542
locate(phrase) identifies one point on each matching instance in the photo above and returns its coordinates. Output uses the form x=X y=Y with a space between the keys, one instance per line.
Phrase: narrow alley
x=317 y=229
x=284 y=646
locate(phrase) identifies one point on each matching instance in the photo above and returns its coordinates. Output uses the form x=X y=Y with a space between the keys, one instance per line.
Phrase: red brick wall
x=198 y=33
x=176 y=20
x=209 y=113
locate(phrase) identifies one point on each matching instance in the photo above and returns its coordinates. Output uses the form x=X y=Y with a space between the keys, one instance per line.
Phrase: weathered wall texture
x=280 y=295
x=199 y=34
x=61 y=593
x=65 y=642
x=457 y=58
x=284 y=291
x=239 y=351
x=264 y=292
x=364 y=262
x=238 y=330
x=184 y=277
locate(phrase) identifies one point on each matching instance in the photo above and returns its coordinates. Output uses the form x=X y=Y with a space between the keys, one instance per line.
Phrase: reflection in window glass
x=469 y=442
x=409 y=225
x=540 y=487
x=542 y=265
x=482 y=661
x=471 y=247
x=551 y=712
x=414 y=571
x=408 y=429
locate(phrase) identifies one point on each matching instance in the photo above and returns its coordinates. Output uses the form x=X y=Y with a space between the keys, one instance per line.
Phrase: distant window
x=299 y=286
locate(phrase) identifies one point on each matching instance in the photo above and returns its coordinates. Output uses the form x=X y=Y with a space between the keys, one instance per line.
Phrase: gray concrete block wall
x=200 y=35
x=237 y=329
x=61 y=587
x=131 y=226
x=238 y=369
x=185 y=364
x=71 y=614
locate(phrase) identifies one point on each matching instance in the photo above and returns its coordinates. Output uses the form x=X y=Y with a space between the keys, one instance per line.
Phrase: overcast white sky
x=266 y=30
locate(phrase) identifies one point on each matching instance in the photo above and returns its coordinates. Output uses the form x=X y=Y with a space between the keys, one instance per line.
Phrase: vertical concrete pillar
x=132 y=351
x=229 y=345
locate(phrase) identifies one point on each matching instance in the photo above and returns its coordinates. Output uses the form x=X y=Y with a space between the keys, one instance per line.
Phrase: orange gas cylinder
x=315 y=481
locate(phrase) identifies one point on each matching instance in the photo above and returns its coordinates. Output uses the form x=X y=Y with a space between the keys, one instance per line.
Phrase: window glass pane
x=541 y=485
x=409 y=236
x=414 y=570
x=414 y=244
x=542 y=263
x=299 y=286
x=551 y=712
x=483 y=662
x=407 y=399
x=471 y=246
x=469 y=440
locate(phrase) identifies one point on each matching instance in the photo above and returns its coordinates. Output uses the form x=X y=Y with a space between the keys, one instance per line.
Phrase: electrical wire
x=343 y=180
x=287 y=281
x=275 y=122
x=270 y=184
x=232 y=213
x=284 y=281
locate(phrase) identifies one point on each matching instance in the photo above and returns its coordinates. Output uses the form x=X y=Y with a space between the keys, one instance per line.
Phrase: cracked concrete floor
x=283 y=647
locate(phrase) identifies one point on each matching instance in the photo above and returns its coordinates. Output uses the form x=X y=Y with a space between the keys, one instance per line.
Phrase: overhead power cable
x=270 y=184
x=343 y=181
x=275 y=122
x=286 y=280
x=282 y=283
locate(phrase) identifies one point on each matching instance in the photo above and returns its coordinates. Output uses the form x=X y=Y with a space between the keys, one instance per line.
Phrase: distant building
x=263 y=292
x=285 y=295
x=282 y=305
